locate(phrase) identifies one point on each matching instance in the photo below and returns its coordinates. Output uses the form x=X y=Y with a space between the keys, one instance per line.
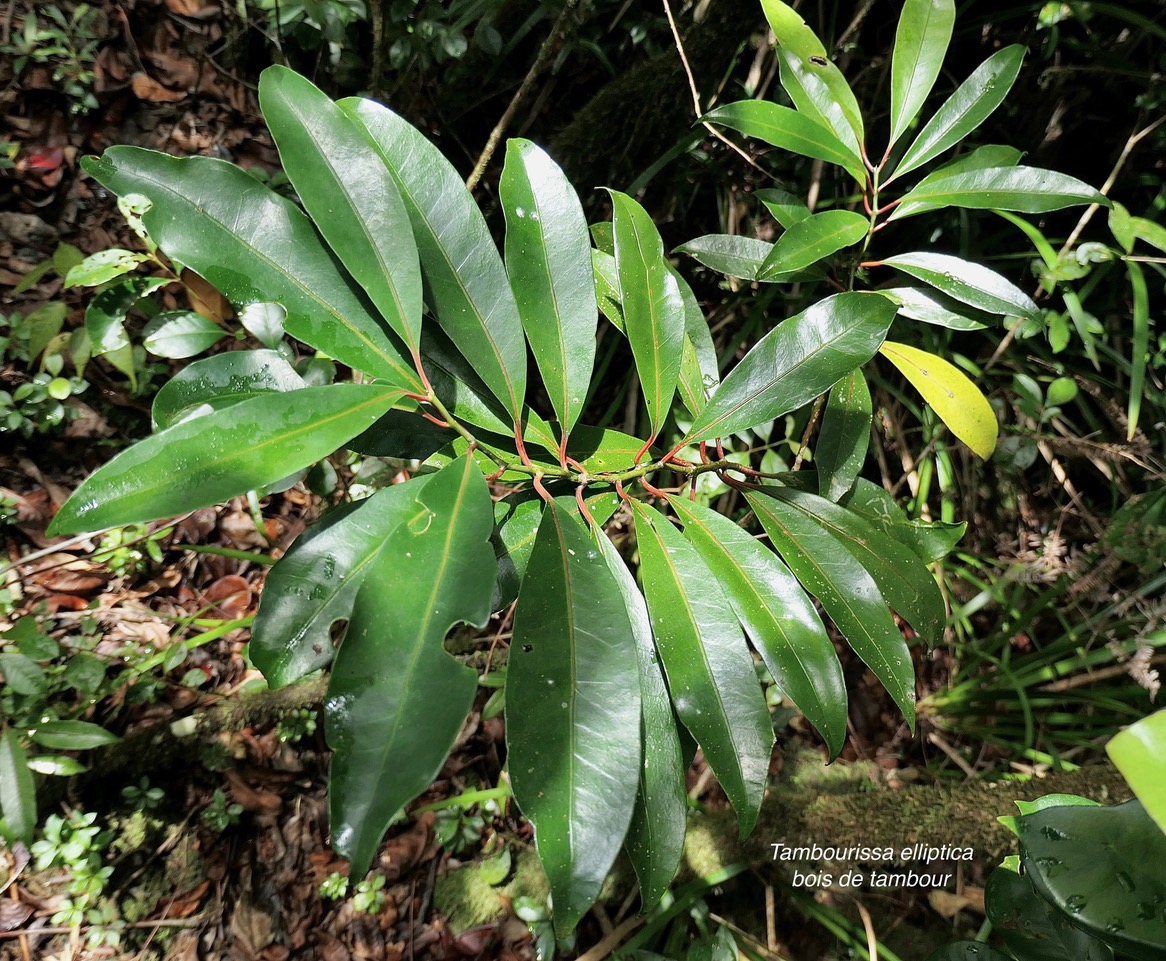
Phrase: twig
x=540 y=62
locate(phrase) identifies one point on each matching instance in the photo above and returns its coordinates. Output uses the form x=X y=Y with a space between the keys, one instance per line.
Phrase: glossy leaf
x=653 y=310
x=264 y=322
x=932 y=307
x=729 y=254
x=180 y=334
x=465 y=280
x=1027 y=189
x=700 y=371
x=574 y=748
x=778 y=617
x=314 y=584
x=969 y=283
x=921 y=41
x=787 y=209
x=972 y=103
x=102 y=267
x=902 y=579
x=930 y=540
x=220 y=381
x=349 y=193
x=1139 y=346
x=655 y=838
x=844 y=437
x=982 y=158
x=549 y=265
x=1139 y=752
x=17 y=789
x=436 y=569
x=229 y=452
x=819 y=236
x=803 y=80
x=72 y=735
x=106 y=313
x=254 y=246
x=846 y=591
x=958 y=402
x=1074 y=856
x=786 y=128
x=794 y=363
x=710 y=672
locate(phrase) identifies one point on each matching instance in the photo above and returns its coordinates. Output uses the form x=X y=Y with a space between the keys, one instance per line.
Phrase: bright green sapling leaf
x=72 y=735
x=845 y=436
x=178 y=334
x=348 y=191
x=573 y=746
x=220 y=381
x=1139 y=752
x=548 y=262
x=921 y=41
x=435 y=570
x=229 y=452
x=708 y=665
x=105 y=316
x=932 y=307
x=17 y=789
x=805 y=82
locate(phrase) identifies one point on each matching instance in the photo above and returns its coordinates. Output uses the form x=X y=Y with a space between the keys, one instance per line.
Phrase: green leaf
x=349 y=193
x=982 y=158
x=103 y=266
x=1032 y=929
x=548 y=262
x=782 y=127
x=106 y=313
x=43 y=324
x=846 y=591
x=777 y=616
x=921 y=41
x=56 y=765
x=17 y=790
x=220 y=381
x=396 y=699
x=23 y=674
x=254 y=246
x=1139 y=752
x=229 y=452
x=655 y=838
x=845 y=436
x=969 y=283
x=264 y=322
x=787 y=209
x=807 y=242
x=710 y=671
x=700 y=371
x=967 y=951
x=179 y=334
x=729 y=254
x=803 y=80
x=1027 y=189
x=931 y=540
x=1139 y=346
x=795 y=362
x=71 y=735
x=653 y=309
x=932 y=307
x=314 y=584
x=1074 y=856
x=573 y=748
x=465 y=280
x=902 y=579
x=1152 y=233
x=33 y=277
x=1121 y=226
x=971 y=104
x=958 y=402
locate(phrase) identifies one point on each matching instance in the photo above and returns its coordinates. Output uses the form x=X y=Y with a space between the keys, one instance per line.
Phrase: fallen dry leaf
x=949 y=905
x=146 y=88
x=231 y=595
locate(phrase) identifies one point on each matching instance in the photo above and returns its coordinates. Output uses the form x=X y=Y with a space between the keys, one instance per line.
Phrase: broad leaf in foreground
x=655 y=839
x=777 y=615
x=17 y=789
x=921 y=40
x=709 y=668
x=969 y=283
x=1139 y=752
x=847 y=592
x=220 y=381
x=229 y=452
x=958 y=402
x=465 y=280
x=574 y=747
x=436 y=570
x=794 y=363
x=845 y=436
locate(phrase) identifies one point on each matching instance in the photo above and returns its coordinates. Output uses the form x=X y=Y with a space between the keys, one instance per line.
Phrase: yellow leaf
x=958 y=402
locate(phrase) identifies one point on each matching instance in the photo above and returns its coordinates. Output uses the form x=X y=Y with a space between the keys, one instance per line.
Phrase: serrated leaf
x=812 y=239
x=436 y=569
x=969 y=283
x=465 y=279
x=972 y=103
x=655 y=838
x=729 y=254
x=573 y=670
x=349 y=194
x=958 y=402
x=795 y=362
x=846 y=591
x=71 y=735
x=179 y=334
x=229 y=452
x=548 y=262
x=921 y=41
x=709 y=668
x=17 y=789
x=786 y=128
x=653 y=310
x=844 y=437
x=1139 y=752
x=1027 y=189
x=220 y=381
x=254 y=246
x=314 y=584
x=777 y=616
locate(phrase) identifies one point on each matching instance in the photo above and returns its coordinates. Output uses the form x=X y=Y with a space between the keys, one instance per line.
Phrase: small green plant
x=297 y=725
x=334 y=887
x=220 y=815
x=142 y=796
x=76 y=844
x=369 y=896
x=129 y=551
x=457 y=829
x=66 y=42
